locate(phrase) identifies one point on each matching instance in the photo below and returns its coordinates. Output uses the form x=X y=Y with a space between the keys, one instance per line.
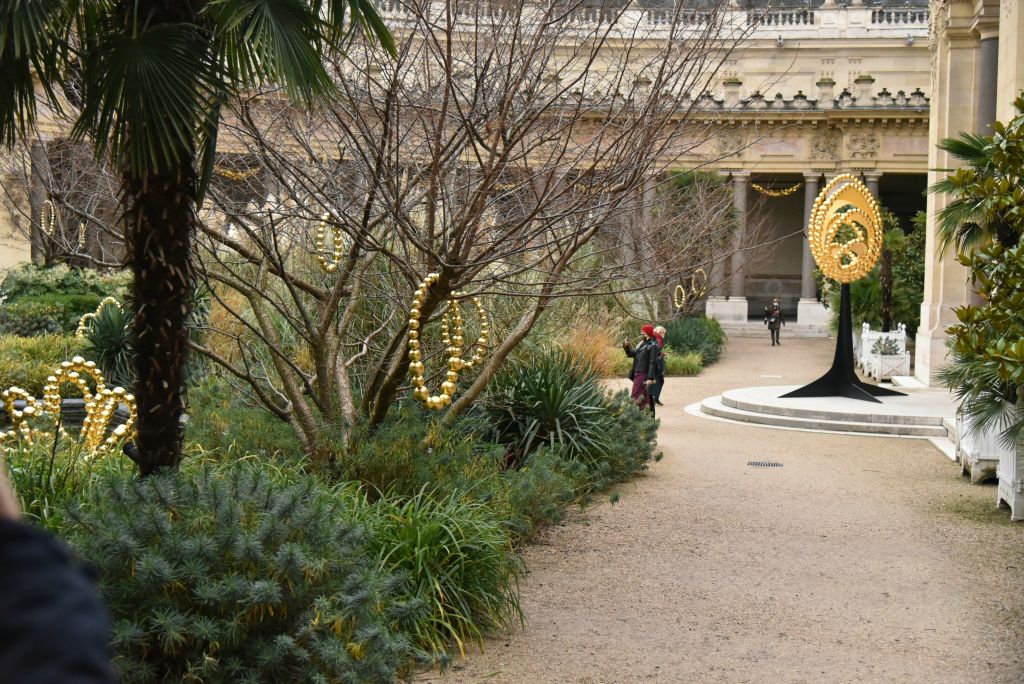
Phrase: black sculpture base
x=841 y=380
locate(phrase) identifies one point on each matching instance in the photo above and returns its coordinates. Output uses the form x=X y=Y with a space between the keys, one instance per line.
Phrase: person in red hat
x=645 y=366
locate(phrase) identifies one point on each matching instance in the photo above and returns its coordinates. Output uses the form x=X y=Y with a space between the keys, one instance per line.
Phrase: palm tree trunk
x=160 y=219
x=885 y=284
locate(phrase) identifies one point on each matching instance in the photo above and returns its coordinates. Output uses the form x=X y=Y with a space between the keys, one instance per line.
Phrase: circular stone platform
x=922 y=413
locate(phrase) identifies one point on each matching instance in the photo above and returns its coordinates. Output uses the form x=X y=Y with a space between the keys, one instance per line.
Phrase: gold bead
x=416 y=368
x=413 y=324
x=455 y=364
x=457 y=340
x=414 y=355
x=443 y=401
x=420 y=393
x=451 y=376
x=414 y=344
x=414 y=334
x=448 y=388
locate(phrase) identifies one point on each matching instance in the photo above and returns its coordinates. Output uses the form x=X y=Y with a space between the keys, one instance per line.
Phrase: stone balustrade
x=822 y=23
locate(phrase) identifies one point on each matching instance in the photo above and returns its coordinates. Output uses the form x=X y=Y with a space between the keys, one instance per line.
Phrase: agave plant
x=551 y=399
x=109 y=343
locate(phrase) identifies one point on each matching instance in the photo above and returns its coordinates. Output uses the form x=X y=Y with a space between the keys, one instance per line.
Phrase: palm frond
x=30 y=41
x=272 y=41
x=145 y=93
x=968 y=148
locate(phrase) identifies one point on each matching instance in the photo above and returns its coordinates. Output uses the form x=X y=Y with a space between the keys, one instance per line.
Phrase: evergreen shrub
x=240 y=574
x=32 y=280
x=696 y=334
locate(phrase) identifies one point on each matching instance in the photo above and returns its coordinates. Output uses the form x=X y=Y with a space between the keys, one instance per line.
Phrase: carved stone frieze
x=863 y=144
x=730 y=142
x=826 y=143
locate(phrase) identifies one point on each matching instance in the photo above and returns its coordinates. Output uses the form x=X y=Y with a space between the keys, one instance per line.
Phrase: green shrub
x=239 y=575
x=45 y=314
x=696 y=334
x=631 y=448
x=688 y=364
x=221 y=421
x=457 y=559
x=538 y=492
x=551 y=399
x=26 y=362
x=31 y=280
x=411 y=451
x=30 y=319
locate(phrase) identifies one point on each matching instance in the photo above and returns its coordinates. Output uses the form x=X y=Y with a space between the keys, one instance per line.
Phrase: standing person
x=659 y=381
x=645 y=366
x=774 y=320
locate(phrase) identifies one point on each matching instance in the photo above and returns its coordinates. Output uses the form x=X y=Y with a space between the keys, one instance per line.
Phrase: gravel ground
x=862 y=559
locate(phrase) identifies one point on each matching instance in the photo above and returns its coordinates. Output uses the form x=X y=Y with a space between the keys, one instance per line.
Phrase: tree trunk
x=160 y=220
x=885 y=285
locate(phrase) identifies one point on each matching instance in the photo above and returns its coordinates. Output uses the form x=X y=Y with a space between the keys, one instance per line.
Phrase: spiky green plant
x=549 y=399
x=109 y=343
x=239 y=574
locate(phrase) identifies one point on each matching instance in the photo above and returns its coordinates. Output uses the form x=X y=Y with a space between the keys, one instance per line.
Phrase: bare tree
x=513 y=148
x=64 y=201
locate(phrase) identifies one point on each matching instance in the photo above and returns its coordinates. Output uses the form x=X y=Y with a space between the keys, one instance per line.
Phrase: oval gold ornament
x=846 y=229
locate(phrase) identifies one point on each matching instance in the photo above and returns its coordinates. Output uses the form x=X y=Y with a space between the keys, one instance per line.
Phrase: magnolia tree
x=517 y=151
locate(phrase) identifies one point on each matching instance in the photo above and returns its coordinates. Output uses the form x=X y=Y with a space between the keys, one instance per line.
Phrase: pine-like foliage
x=238 y=575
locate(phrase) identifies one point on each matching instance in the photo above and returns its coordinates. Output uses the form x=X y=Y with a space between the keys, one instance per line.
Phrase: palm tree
x=149 y=79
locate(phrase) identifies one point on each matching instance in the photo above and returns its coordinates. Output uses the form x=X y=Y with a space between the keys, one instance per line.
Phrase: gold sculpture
x=48 y=218
x=95 y=437
x=330 y=265
x=81 y=235
x=452 y=330
x=845 y=231
x=777 y=193
x=698 y=288
x=83 y=322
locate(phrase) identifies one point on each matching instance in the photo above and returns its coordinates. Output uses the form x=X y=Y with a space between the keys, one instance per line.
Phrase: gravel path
x=862 y=559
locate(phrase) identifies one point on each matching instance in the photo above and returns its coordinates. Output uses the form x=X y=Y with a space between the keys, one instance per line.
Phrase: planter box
x=884 y=366
x=1010 y=492
x=978 y=452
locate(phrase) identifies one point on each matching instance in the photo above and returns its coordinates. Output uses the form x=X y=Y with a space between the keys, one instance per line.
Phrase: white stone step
x=714 y=406
x=744 y=401
x=793 y=331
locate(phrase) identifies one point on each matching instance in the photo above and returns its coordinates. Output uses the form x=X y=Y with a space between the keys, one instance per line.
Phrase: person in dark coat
x=774 y=320
x=645 y=366
x=53 y=628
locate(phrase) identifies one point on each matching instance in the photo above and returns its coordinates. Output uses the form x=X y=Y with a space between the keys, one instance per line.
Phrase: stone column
x=872 y=180
x=809 y=311
x=1011 y=58
x=954 y=77
x=732 y=308
x=738 y=259
x=988 y=56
